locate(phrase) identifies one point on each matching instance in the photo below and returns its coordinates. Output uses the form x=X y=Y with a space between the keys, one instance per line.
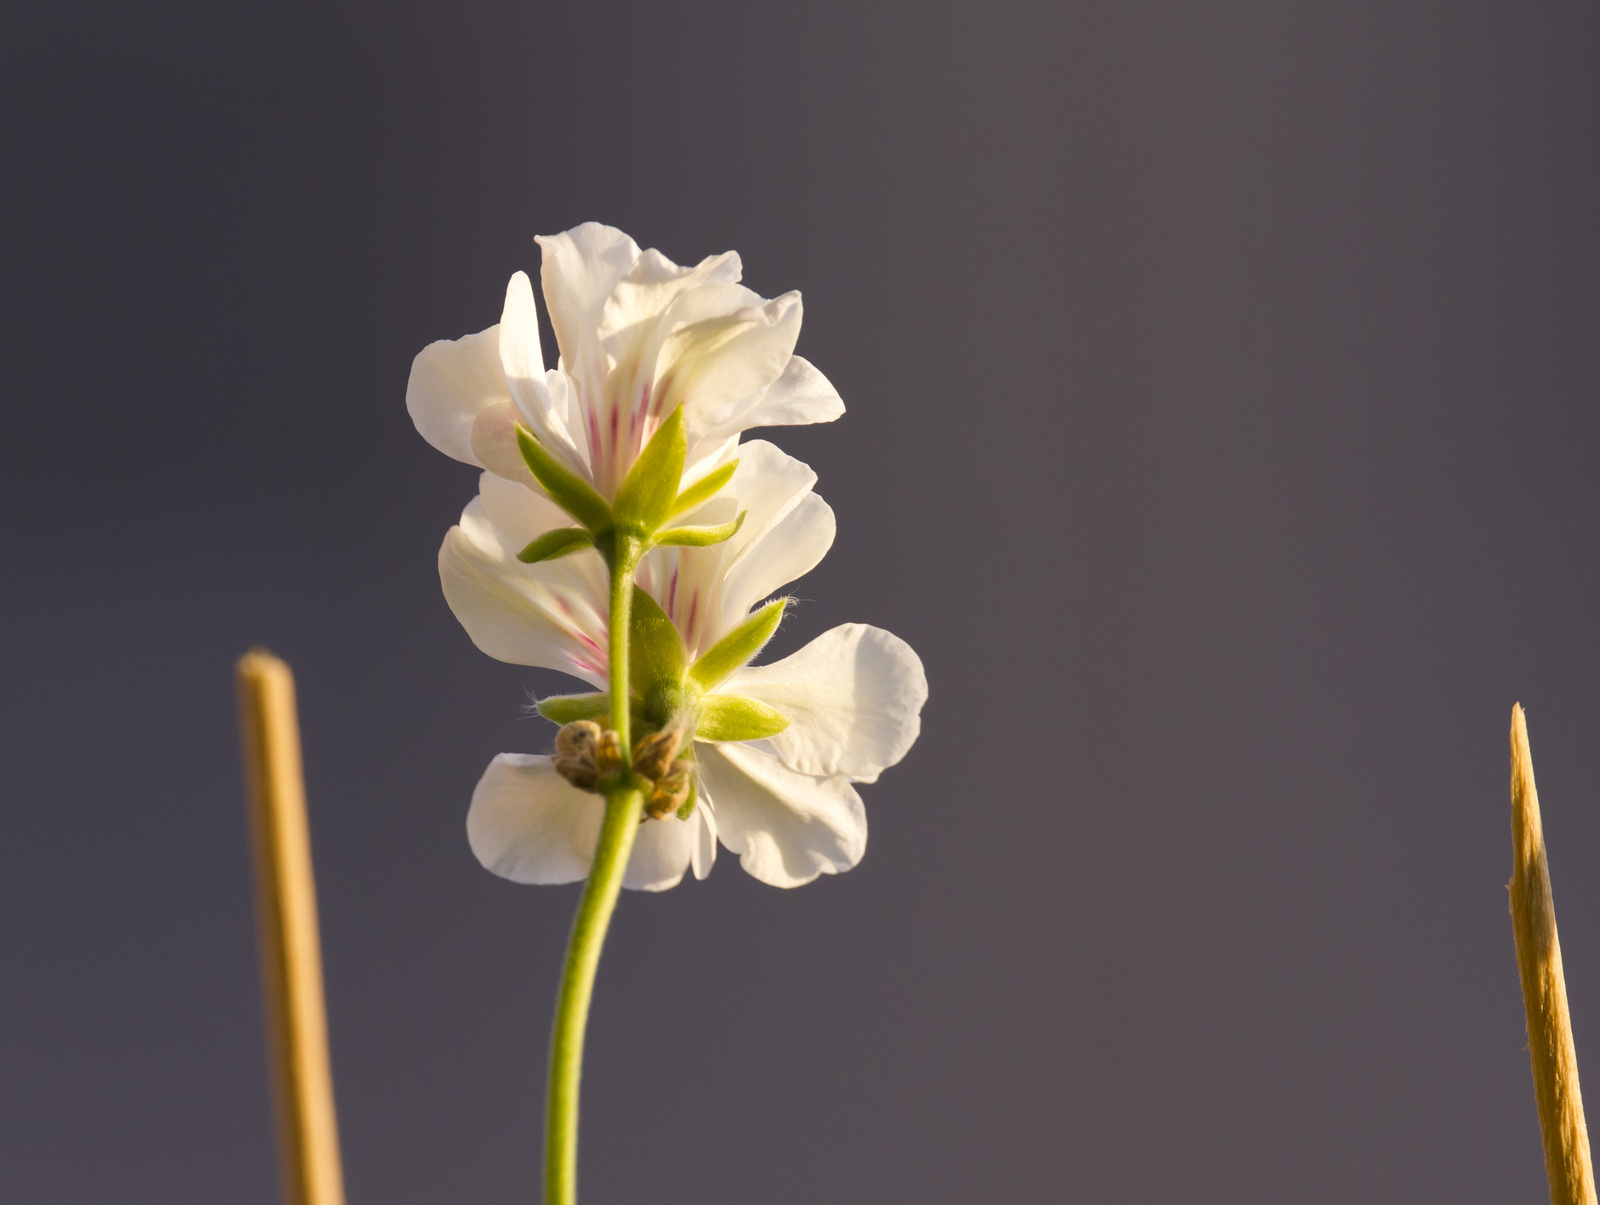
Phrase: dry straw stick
x=1544 y=989
x=291 y=955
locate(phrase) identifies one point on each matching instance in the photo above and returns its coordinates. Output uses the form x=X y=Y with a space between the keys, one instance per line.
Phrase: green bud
x=703 y=489
x=566 y=489
x=568 y=709
x=563 y=541
x=656 y=653
x=738 y=646
x=734 y=718
x=646 y=497
x=700 y=537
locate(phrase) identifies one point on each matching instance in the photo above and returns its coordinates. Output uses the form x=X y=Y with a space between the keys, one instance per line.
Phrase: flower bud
x=578 y=739
x=653 y=755
x=671 y=791
x=577 y=745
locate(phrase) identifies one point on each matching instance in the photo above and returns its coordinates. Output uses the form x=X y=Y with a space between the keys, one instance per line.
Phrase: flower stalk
x=623 y=805
x=624 y=802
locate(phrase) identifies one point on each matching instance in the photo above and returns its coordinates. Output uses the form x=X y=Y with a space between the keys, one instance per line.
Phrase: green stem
x=624 y=804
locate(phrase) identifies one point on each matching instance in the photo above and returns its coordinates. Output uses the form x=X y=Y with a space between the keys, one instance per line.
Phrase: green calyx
x=648 y=498
x=669 y=690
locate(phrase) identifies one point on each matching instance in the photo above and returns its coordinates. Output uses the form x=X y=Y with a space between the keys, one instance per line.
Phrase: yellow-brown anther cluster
x=586 y=754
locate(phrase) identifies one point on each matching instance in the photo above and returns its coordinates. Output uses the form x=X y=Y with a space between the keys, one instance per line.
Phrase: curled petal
x=726 y=350
x=787 y=828
x=452 y=381
x=853 y=698
x=800 y=395
x=529 y=824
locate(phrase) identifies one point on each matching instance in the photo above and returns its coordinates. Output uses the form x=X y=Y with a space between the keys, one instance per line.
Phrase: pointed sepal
x=563 y=541
x=738 y=646
x=656 y=653
x=735 y=718
x=646 y=497
x=700 y=537
x=567 y=709
x=702 y=490
x=566 y=489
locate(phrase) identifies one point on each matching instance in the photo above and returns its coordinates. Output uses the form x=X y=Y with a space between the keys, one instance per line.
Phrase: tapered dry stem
x=291 y=955
x=1544 y=989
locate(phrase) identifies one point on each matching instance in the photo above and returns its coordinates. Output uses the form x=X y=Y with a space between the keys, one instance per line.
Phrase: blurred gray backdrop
x=1222 y=432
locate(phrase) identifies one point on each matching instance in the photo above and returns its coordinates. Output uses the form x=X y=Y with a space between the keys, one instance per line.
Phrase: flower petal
x=540 y=397
x=853 y=698
x=580 y=269
x=452 y=380
x=529 y=824
x=662 y=851
x=800 y=395
x=705 y=846
x=787 y=828
x=725 y=350
x=552 y=614
x=790 y=549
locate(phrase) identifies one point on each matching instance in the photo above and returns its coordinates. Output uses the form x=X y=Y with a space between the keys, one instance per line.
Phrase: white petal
x=717 y=367
x=661 y=853
x=552 y=614
x=768 y=484
x=529 y=824
x=787 y=828
x=791 y=549
x=801 y=395
x=519 y=515
x=494 y=443
x=522 y=362
x=853 y=697
x=581 y=268
x=451 y=382
x=705 y=846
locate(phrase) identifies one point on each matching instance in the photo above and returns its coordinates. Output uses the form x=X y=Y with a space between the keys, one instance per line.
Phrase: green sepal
x=686 y=808
x=738 y=646
x=701 y=490
x=566 y=489
x=558 y=543
x=735 y=718
x=656 y=653
x=646 y=497
x=700 y=537
x=564 y=709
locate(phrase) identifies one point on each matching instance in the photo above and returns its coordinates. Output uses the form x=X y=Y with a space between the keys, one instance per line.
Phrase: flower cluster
x=637 y=434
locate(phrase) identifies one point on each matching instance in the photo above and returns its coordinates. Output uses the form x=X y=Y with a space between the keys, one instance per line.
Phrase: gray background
x=1222 y=424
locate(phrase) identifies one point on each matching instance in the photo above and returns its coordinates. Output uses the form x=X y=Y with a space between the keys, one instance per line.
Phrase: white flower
x=639 y=336
x=786 y=804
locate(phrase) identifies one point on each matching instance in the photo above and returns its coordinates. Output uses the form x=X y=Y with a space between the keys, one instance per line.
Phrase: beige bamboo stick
x=291 y=954
x=1544 y=989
